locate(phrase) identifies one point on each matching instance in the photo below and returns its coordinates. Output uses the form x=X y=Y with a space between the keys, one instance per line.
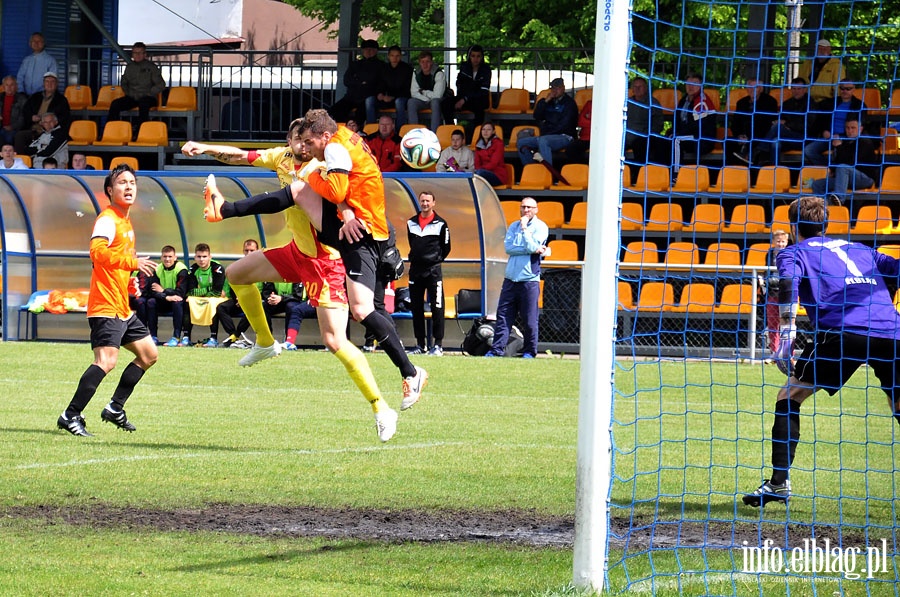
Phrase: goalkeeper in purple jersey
x=842 y=286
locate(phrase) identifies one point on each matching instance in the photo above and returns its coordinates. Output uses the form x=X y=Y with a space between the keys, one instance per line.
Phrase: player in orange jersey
x=304 y=259
x=345 y=203
x=113 y=323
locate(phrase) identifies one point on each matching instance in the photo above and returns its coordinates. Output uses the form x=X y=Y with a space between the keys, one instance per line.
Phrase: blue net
x=711 y=168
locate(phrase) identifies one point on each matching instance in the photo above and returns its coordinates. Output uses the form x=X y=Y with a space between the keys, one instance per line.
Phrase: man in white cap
x=823 y=72
x=40 y=103
x=33 y=67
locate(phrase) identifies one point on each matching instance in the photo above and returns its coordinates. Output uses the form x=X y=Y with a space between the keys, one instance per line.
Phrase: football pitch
x=271 y=480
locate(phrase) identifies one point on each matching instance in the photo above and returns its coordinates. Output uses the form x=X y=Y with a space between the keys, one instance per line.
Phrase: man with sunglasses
x=831 y=117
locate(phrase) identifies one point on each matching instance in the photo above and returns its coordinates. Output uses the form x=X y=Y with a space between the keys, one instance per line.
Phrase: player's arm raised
x=226 y=154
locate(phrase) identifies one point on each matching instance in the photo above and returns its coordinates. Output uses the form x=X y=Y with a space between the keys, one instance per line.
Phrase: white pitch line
x=358 y=450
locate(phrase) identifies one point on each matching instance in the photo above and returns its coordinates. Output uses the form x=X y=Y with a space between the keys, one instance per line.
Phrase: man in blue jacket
x=525 y=243
x=557 y=117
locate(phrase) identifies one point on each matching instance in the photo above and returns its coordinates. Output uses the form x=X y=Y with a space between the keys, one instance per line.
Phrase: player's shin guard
x=130 y=377
x=87 y=387
x=386 y=335
x=785 y=437
x=251 y=303
x=357 y=366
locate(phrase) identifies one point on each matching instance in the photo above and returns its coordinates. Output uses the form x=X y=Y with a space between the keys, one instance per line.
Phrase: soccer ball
x=420 y=148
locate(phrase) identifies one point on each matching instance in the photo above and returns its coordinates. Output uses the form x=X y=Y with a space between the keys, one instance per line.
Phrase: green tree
x=491 y=23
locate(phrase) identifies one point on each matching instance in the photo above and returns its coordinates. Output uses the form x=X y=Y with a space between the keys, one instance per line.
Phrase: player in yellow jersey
x=304 y=259
x=344 y=201
x=113 y=323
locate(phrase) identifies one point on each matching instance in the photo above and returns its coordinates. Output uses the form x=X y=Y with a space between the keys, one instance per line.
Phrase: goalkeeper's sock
x=87 y=387
x=785 y=437
x=251 y=303
x=358 y=367
x=265 y=203
x=130 y=377
x=385 y=334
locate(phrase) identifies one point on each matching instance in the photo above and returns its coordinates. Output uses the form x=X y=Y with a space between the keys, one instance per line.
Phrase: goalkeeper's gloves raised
x=783 y=356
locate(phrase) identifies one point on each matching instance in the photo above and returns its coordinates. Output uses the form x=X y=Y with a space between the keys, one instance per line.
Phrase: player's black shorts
x=361 y=258
x=111 y=331
x=834 y=357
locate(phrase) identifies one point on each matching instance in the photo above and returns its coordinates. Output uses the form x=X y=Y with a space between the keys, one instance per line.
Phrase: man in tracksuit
x=429 y=245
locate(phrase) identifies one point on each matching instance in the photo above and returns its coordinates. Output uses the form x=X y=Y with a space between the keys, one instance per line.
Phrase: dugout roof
x=46 y=219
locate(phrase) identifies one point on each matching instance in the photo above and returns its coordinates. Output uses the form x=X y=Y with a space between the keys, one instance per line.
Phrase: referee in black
x=429 y=245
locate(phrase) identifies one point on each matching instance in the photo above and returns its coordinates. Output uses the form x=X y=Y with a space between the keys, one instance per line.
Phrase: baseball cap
x=51 y=74
x=369 y=43
x=557 y=82
x=824 y=43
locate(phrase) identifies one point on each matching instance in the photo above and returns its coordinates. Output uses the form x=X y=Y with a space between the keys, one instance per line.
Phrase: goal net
x=694 y=396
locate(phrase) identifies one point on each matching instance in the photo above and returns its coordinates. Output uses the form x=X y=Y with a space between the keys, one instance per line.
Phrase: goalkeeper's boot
x=386 y=423
x=73 y=424
x=213 y=210
x=260 y=353
x=117 y=418
x=413 y=388
x=769 y=492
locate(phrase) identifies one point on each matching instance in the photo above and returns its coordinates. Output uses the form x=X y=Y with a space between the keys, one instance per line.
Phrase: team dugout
x=46 y=221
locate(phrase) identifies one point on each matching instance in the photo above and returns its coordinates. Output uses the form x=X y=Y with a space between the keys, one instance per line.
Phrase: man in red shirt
x=113 y=323
x=385 y=145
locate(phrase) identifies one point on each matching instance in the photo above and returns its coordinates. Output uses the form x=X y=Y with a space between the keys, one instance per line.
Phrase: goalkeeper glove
x=784 y=354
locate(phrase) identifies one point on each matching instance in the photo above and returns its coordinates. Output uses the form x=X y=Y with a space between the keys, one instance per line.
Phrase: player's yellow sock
x=251 y=304
x=358 y=367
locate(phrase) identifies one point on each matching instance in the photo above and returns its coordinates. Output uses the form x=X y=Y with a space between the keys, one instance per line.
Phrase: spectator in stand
x=473 y=87
x=168 y=291
x=754 y=115
x=362 y=82
x=385 y=145
x=35 y=66
x=142 y=83
x=643 y=127
x=853 y=164
x=290 y=299
x=458 y=157
x=489 y=157
x=8 y=159
x=352 y=125
x=823 y=72
x=395 y=82
x=694 y=125
x=795 y=123
x=557 y=117
x=48 y=100
x=49 y=164
x=577 y=151
x=79 y=162
x=830 y=122
x=53 y=143
x=12 y=110
x=427 y=90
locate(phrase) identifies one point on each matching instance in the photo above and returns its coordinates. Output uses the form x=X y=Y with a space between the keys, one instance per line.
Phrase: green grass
x=492 y=435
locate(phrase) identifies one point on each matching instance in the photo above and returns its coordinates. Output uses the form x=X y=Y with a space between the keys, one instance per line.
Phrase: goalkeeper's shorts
x=834 y=357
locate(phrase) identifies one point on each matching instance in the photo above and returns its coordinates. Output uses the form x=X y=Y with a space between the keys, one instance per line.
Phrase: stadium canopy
x=46 y=220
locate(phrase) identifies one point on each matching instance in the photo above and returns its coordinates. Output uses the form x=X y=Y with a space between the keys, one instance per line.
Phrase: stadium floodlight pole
x=795 y=24
x=592 y=477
